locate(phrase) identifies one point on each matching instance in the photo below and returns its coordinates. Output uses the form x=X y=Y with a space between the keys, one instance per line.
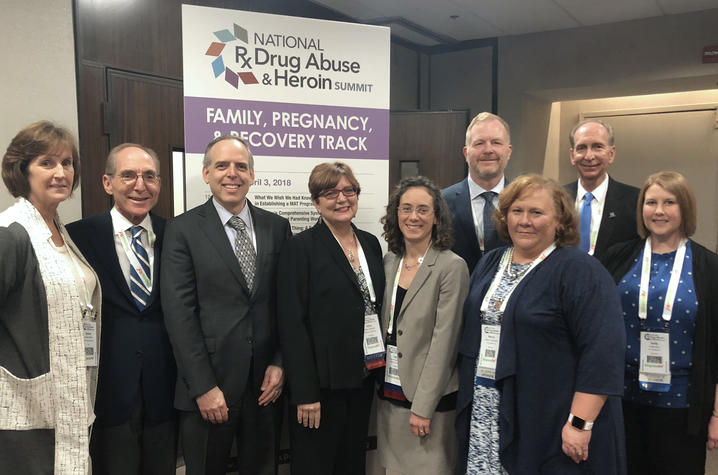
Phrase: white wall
x=37 y=54
x=655 y=55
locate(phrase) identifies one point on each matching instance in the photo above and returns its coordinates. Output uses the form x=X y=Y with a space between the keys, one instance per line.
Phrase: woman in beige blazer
x=426 y=285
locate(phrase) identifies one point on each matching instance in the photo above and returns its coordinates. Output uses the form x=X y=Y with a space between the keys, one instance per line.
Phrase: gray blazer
x=428 y=327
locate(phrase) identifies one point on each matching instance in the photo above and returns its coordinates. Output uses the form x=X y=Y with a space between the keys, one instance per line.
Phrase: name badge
x=489 y=351
x=391 y=375
x=373 y=342
x=654 y=371
x=89 y=334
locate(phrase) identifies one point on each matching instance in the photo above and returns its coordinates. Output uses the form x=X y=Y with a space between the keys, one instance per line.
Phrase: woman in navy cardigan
x=549 y=401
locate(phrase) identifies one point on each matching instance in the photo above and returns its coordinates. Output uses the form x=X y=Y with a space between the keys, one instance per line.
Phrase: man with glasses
x=472 y=201
x=219 y=295
x=135 y=430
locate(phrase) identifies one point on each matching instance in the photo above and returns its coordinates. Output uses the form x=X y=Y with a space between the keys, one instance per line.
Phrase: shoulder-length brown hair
x=567 y=230
x=327 y=175
x=38 y=138
x=676 y=184
x=442 y=235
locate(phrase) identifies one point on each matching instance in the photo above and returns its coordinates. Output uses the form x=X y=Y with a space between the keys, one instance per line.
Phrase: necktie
x=491 y=238
x=585 y=218
x=139 y=291
x=244 y=250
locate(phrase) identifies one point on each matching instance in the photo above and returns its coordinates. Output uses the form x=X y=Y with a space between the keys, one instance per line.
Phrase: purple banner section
x=289 y=130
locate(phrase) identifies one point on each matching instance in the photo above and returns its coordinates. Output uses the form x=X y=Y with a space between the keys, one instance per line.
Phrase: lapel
x=422 y=275
x=464 y=215
x=159 y=230
x=263 y=236
x=214 y=230
x=608 y=219
x=337 y=253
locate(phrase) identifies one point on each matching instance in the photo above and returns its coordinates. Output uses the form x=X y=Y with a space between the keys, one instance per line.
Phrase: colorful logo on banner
x=282 y=60
x=217 y=47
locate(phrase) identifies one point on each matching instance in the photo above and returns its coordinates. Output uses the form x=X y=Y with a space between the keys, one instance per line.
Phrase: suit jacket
x=215 y=325
x=466 y=242
x=321 y=312
x=135 y=347
x=618 y=223
x=428 y=327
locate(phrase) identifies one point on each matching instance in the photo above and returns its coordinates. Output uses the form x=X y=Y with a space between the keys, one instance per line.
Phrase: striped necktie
x=139 y=291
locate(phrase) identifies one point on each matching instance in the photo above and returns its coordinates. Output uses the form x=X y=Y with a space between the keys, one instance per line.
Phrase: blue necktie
x=139 y=292
x=491 y=238
x=585 y=218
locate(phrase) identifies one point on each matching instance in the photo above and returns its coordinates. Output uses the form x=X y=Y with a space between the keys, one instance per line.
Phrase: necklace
x=348 y=250
x=408 y=266
x=521 y=267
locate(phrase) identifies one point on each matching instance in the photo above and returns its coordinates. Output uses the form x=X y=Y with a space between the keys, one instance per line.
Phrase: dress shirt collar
x=122 y=224
x=225 y=215
x=599 y=194
x=475 y=190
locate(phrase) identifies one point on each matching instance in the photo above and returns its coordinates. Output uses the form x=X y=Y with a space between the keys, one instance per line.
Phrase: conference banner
x=301 y=91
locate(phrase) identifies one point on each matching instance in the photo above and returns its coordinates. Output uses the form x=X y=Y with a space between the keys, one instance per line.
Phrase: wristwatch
x=579 y=423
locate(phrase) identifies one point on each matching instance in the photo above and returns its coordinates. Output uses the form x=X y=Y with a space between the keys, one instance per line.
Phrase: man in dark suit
x=472 y=201
x=135 y=431
x=606 y=207
x=219 y=294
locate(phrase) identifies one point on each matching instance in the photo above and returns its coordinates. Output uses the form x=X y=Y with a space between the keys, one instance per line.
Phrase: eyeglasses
x=130 y=177
x=333 y=193
x=420 y=210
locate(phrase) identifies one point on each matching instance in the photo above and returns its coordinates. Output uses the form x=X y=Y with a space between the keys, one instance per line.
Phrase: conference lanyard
x=132 y=257
x=390 y=330
x=672 y=283
x=503 y=268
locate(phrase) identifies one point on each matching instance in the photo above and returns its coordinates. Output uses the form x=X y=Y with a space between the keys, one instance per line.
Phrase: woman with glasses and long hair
x=330 y=287
x=421 y=318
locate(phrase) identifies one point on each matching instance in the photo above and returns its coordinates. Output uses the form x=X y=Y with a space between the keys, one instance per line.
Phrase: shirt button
x=400 y=333
x=399 y=355
x=138 y=353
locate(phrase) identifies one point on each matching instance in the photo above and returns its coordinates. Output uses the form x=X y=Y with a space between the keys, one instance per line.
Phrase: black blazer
x=134 y=344
x=321 y=312
x=216 y=327
x=618 y=223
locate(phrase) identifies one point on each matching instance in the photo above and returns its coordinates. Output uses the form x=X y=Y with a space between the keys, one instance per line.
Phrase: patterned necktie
x=491 y=238
x=244 y=250
x=139 y=291
x=585 y=222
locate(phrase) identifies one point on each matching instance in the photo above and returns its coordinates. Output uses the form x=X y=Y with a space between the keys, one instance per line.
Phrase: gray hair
x=111 y=163
x=206 y=161
x=605 y=125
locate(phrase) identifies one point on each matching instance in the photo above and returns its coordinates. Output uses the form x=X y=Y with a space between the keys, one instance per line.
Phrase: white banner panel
x=301 y=92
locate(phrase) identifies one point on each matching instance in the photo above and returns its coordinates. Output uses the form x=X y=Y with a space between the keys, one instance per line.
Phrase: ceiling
x=445 y=22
